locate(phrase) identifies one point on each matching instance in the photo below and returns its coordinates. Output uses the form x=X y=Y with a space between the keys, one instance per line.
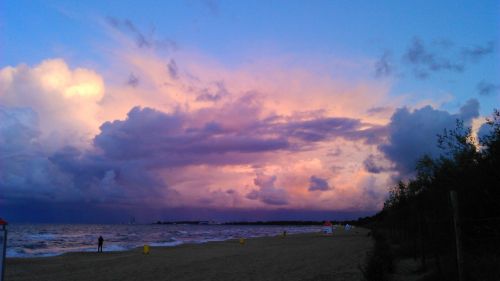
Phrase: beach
x=296 y=257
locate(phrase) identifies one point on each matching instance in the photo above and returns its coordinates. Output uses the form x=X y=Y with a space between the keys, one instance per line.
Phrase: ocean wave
x=51 y=240
x=166 y=244
x=42 y=236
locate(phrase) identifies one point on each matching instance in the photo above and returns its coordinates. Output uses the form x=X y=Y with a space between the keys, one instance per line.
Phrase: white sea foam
x=166 y=244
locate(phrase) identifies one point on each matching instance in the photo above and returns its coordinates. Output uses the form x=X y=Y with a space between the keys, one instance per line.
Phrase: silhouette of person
x=99 y=245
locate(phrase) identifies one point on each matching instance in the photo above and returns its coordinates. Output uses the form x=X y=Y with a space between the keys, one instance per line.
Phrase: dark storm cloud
x=487 y=89
x=157 y=139
x=412 y=134
x=169 y=140
x=32 y=172
x=162 y=139
x=318 y=184
x=122 y=167
x=25 y=170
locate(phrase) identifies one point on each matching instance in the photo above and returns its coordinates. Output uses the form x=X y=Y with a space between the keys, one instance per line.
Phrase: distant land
x=286 y=222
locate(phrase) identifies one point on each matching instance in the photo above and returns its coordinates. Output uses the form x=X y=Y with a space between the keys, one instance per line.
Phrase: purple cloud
x=318 y=184
x=412 y=134
x=267 y=192
x=376 y=164
x=213 y=96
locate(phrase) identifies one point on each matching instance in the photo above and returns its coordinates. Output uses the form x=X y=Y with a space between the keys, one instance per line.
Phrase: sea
x=42 y=240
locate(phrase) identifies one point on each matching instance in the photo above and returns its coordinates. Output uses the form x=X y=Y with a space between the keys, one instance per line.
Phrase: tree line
x=417 y=217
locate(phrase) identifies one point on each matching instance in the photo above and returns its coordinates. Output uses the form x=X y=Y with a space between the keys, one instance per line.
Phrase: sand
x=296 y=257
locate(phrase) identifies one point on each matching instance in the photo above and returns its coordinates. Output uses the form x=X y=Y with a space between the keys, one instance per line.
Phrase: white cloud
x=65 y=99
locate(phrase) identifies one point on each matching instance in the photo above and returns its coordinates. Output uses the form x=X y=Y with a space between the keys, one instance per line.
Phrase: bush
x=379 y=262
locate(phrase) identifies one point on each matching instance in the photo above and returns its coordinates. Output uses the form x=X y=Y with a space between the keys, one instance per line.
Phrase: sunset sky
x=231 y=110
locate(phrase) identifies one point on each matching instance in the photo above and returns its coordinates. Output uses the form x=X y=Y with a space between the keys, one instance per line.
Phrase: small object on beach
x=100 y=241
x=284 y=234
x=327 y=228
x=3 y=246
x=242 y=241
x=145 y=249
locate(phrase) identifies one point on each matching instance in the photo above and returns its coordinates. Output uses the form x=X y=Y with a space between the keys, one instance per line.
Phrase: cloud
x=125 y=164
x=172 y=139
x=173 y=71
x=142 y=39
x=335 y=153
x=116 y=183
x=323 y=128
x=379 y=110
x=425 y=62
x=413 y=134
x=215 y=95
x=372 y=194
x=26 y=171
x=487 y=89
x=376 y=164
x=384 y=66
x=133 y=80
x=66 y=100
x=469 y=111
x=128 y=26
x=186 y=141
x=478 y=52
x=318 y=184
x=484 y=131
x=267 y=192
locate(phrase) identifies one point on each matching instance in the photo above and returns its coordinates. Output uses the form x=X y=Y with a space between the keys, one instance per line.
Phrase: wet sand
x=296 y=257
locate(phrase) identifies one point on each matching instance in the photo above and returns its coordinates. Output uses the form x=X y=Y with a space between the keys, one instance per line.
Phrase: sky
x=231 y=110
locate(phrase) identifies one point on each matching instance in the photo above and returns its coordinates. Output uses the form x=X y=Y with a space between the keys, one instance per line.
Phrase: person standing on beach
x=99 y=245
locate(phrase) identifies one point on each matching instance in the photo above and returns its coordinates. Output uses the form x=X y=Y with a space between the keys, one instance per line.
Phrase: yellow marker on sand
x=242 y=241
x=146 y=250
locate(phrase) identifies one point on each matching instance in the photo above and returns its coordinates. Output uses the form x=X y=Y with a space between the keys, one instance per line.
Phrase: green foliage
x=467 y=165
x=417 y=212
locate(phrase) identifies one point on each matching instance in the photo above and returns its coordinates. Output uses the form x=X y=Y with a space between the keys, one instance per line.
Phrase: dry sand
x=296 y=257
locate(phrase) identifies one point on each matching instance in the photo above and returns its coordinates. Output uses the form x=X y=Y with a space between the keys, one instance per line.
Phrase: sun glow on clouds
x=65 y=100
x=181 y=130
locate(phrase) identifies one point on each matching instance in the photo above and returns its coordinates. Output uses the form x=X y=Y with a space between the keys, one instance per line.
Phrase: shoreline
x=295 y=257
x=153 y=246
x=52 y=242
